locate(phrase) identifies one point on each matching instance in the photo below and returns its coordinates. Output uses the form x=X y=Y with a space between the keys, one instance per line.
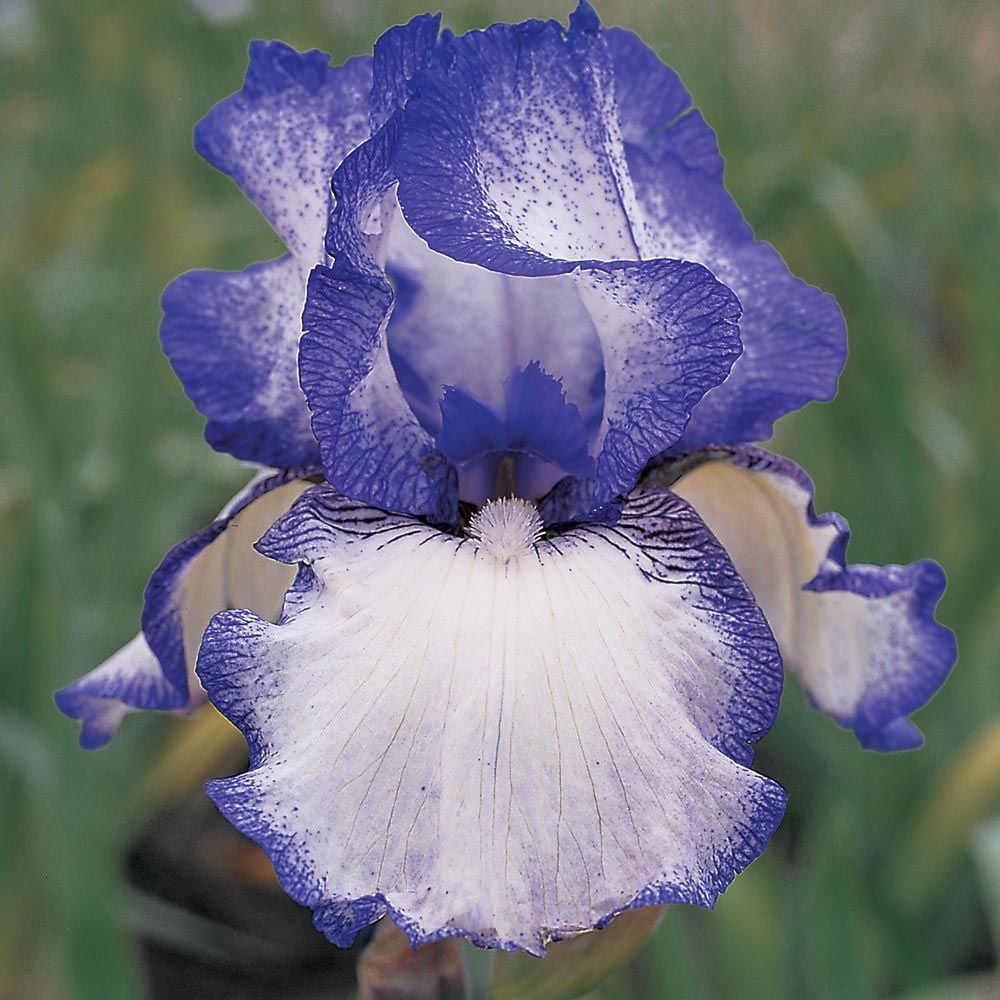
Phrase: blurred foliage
x=861 y=138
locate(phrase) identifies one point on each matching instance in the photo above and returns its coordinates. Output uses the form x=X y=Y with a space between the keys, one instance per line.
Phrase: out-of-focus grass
x=861 y=139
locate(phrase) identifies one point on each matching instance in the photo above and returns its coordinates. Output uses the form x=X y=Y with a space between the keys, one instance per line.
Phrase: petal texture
x=232 y=338
x=233 y=342
x=281 y=137
x=794 y=339
x=862 y=639
x=215 y=569
x=510 y=154
x=506 y=750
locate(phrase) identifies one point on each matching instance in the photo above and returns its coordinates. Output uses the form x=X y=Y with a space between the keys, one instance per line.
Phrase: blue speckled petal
x=862 y=639
x=491 y=748
x=233 y=338
x=528 y=148
x=794 y=341
x=281 y=137
x=233 y=341
x=511 y=156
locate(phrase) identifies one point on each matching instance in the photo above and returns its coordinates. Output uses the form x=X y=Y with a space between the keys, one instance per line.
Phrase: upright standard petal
x=215 y=569
x=636 y=344
x=281 y=137
x=862 y=639
x=232 y=338
x=510 y=153
x=465 y=733
x=794 y=339
x=528 y=148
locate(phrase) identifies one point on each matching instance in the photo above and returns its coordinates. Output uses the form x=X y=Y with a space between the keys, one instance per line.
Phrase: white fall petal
x=506 y=745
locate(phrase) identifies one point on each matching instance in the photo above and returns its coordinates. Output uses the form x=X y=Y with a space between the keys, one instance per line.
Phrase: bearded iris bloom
x=502 y=631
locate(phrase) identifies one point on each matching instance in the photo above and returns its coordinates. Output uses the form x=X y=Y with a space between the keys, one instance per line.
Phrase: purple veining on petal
x=862 y=639
x=340 y=751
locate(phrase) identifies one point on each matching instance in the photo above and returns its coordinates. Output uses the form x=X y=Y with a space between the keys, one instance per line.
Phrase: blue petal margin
x=233 y=341
x=862 y=639
x=372 y=445
x=514 y=790
x=233 y=337
x=156 y=670
x=400 y=53
x=130 y=680
x=794 y=337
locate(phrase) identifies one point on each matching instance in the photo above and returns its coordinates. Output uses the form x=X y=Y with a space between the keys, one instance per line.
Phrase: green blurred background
x=861 y=138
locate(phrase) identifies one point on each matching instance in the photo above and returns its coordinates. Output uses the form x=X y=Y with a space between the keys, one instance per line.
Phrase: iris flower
x=501 y=632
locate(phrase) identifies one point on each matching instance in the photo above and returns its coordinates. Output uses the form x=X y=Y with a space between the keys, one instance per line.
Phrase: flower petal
x=527 y=148
x=372 y=444
x=669 y=333
x=862 y=639
x=232 y=339
x=400 y=53
x=283 y=134
x=128 y=680
x=498 y=749
x=638 y=342
x=794 y=340
x=539 y=438
x=510 y=154
x=215 y=569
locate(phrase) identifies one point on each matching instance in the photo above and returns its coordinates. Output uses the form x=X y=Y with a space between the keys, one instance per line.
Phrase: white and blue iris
x=515 y=618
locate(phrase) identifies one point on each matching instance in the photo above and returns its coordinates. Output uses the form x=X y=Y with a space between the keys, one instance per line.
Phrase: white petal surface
x=862 y=639
x=509 y=749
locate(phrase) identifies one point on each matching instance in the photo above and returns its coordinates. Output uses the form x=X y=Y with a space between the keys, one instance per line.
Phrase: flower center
x=536 y=440
x=506 y=528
